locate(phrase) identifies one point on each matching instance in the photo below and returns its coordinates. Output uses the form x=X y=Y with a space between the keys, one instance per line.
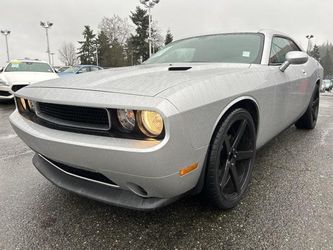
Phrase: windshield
x=72 y=69
x=18 y=66
x=226 y=48
x=62 y=69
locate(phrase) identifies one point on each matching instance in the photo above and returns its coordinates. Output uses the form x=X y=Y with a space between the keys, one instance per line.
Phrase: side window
x=280 y=47
x=294 y=46
x=94 y=68
x=83 y=70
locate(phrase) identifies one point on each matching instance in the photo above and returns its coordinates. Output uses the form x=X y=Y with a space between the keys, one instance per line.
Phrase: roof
x=272 y=32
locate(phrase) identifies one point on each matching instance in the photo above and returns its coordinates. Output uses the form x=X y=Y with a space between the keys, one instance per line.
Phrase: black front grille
x=74 y=116
x=4 y=93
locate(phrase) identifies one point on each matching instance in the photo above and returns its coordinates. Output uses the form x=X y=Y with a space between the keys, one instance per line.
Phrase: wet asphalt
x=289 y=204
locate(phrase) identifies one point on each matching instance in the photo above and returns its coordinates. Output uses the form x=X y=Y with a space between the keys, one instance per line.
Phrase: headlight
x=23 y=103
x=31 y=105
x=150 y=123
x=126 y=118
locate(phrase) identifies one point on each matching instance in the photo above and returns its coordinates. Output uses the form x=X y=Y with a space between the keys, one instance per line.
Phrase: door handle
x=304 y=72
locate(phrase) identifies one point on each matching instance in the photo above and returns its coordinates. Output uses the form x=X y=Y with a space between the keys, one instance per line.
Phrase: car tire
x=309 y=119
x=231 y=158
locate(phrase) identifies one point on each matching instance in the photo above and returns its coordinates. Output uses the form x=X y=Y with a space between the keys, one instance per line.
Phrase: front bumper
x=97 y=191
x=5 y=93
x=153 y=166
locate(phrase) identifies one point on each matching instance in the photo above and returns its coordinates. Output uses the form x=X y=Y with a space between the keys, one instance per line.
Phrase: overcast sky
x=184 y=18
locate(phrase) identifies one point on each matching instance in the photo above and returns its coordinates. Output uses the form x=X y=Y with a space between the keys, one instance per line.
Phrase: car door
x=291 y=85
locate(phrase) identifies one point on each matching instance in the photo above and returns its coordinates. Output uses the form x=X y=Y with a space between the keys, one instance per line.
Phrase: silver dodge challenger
x=187 y=121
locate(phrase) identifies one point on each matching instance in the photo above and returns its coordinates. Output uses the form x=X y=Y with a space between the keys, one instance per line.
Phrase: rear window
x=19 y=66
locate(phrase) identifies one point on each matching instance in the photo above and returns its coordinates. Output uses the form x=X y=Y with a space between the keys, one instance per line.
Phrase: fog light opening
x=140 y=191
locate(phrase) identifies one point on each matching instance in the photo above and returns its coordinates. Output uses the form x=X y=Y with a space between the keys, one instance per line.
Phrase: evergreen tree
x=117 y=55
x=104 y=48
x=327 y=64
x=129 y=53
x=168 y=38
x=315 y=53
x=87 y=51
x=139 y=41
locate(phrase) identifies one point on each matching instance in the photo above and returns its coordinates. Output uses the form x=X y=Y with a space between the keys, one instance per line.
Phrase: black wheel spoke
x=227 y=144
x=244 y=155
x=231 y=159
x=225 y=175
x=235 y=178
x=240 y=133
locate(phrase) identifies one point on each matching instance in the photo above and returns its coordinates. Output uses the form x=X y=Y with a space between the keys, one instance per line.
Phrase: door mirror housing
x=294 y=58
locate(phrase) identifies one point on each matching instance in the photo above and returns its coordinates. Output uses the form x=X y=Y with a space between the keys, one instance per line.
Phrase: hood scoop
x=179 y=68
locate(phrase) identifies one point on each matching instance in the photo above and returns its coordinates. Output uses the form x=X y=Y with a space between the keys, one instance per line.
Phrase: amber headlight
x=23 y=103
x=150 y=123
x=31 y=105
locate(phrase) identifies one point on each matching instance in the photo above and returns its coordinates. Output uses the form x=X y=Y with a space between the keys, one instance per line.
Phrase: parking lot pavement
x=289 y=205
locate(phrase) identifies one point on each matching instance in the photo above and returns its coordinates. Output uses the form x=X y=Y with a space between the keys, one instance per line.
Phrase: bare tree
x=158 y=41
x=68 y=55
x=117 y=29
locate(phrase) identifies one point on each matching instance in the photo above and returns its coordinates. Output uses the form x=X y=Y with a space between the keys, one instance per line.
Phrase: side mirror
x=1 y=69
x=294 y=58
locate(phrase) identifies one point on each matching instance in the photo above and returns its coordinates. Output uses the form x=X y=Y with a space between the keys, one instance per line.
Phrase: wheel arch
x=246 y=102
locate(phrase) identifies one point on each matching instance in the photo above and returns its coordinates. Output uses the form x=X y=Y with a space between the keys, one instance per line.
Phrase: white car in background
x=20 y=73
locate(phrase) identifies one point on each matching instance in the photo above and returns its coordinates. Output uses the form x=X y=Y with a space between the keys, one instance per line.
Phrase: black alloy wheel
x=231 y=159
x=315 y=105
x=310 y=117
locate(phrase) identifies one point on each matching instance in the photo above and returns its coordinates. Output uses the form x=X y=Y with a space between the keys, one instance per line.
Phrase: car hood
x=27 y=77
x=146 y=80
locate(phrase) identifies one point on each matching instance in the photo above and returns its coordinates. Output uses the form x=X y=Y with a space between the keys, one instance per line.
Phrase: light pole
x=6 y=33
x=46 y=25
x=52 y=56
x=149 y=4
x=97 y=53
x=309 y=37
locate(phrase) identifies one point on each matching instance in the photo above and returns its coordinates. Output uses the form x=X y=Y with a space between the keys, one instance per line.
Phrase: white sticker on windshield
x=246 y=53
x=14 y=65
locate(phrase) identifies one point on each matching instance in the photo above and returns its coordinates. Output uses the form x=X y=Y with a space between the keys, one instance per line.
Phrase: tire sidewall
x=213 y=157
